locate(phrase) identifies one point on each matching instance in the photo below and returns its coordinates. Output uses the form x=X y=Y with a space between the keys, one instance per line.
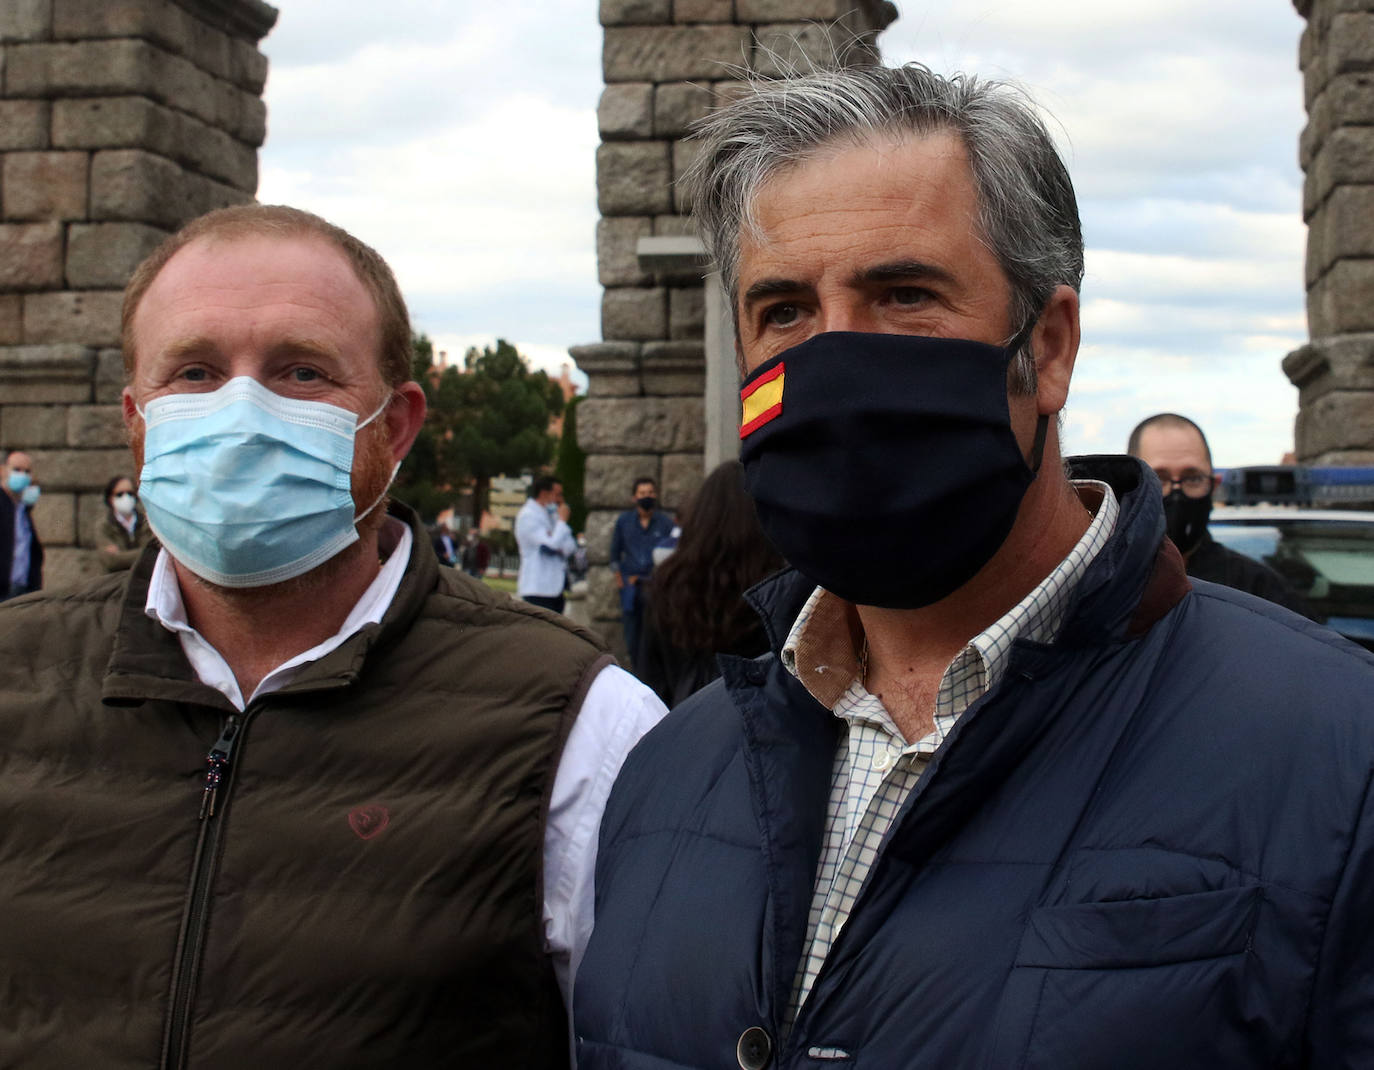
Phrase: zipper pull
x=217 y=761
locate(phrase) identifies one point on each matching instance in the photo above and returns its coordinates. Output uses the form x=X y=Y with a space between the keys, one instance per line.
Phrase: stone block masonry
x=120 y=120
x=666 y=63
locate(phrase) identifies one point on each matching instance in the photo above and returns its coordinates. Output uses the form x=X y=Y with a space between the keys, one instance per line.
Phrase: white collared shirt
x=616 y=712
x=165 y=606
x=545 y=543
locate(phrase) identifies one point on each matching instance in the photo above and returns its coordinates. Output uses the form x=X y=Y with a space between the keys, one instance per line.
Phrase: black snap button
x=755 y=1048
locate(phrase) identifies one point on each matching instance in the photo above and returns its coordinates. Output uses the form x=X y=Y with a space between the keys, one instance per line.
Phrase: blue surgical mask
x=247 y=488
x=552 y=509
x=17 y=481
x=30 y=495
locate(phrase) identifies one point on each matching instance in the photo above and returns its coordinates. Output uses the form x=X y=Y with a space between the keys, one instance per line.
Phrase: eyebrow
x=304 y=346
x=773 y=287
x=188 y=347
x=896 y=270
x=200 y=346
x=892 y=271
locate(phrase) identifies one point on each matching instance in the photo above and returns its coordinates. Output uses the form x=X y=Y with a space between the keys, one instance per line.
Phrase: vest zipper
x=191 y=943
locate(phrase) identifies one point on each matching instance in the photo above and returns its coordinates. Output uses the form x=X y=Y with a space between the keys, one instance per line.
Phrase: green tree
x=420 y=482
x=571 y=468
x=501 y=412
x=489 y=419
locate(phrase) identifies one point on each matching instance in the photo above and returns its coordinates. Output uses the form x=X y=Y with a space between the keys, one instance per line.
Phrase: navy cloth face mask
x=883 y=466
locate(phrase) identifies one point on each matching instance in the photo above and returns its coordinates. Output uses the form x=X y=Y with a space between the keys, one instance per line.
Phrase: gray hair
x=1027 y=210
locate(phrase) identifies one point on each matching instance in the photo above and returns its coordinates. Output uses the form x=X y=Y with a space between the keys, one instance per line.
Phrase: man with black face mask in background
x=1177 y=450
x=1007 y=791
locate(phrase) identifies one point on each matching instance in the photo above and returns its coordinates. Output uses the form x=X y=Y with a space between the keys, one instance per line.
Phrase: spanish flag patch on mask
x=762 y=401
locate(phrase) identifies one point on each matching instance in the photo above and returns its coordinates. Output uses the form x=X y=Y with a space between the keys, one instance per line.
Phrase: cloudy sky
x=457 y=136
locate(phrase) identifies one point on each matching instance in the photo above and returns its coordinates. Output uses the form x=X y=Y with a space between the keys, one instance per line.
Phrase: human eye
x=302 y=373
x=781 y=315
x=195 y=373
x=908 y=296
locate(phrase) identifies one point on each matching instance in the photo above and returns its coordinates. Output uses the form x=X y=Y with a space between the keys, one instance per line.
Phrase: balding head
x=1171 y=424
x=279 y=221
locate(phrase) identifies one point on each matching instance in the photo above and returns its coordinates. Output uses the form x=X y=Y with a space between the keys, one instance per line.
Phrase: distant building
x=508 y=494
x=569 y=388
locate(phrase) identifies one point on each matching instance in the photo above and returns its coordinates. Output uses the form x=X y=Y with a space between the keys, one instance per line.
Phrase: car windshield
x=1329 y=561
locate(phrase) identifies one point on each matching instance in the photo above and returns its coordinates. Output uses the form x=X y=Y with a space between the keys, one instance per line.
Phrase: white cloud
x=539 y=356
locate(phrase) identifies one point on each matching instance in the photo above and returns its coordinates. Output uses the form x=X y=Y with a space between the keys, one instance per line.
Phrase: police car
x=1315 y=527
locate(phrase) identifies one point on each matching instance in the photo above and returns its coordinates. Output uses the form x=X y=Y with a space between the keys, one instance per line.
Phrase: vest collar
x=147 y=662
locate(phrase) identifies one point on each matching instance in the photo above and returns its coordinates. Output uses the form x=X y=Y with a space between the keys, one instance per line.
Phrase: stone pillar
x=1334 y=372
x=666 y=64
x=120 y=120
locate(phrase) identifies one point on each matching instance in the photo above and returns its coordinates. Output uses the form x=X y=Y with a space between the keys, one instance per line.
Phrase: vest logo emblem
x=369 y=821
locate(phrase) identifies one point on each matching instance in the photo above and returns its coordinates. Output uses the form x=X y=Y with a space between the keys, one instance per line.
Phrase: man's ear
x=404 y=417
x=1055 y=345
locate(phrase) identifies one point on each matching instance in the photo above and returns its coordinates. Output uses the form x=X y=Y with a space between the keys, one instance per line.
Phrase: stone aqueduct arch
x=662 y=388
x=122 y=119
x=1334 y=372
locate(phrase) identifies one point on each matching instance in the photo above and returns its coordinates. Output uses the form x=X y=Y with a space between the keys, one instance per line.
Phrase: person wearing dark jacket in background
x=697 y=609
x=21 y=550
x=122 y=530
x=636 y=533
x=1007 y=791
x=445 y=544
x=1176 y=450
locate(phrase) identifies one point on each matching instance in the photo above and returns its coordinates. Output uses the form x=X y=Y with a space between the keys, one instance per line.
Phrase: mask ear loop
x=378 y=500
x=394 y=468
x=380 y=409
x=1042 y=425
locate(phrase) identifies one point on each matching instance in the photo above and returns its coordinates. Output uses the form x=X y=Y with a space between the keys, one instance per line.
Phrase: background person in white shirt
x=546 y=543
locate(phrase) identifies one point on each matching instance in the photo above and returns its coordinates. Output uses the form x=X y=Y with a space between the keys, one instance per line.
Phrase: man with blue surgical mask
x=21 y=551
x=295 y=794
x=546 y=543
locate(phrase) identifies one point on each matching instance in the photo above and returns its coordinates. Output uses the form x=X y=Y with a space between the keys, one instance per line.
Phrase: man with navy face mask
x=1008 y=791
x=287 y=793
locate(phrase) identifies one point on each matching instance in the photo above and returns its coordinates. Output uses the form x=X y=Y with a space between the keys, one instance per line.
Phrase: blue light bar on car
x=1282 y=484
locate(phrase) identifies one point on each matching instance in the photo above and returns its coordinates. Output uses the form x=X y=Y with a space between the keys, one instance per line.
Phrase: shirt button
x=882 y=759
x=755 y=1048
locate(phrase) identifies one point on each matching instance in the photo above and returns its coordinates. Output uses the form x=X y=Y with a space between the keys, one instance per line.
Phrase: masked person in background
x=1006 y=792
x=1176 y=449
x=287 y=793
x=636 y=534
x=546 y=544
x=122 y=530
x=21 y=551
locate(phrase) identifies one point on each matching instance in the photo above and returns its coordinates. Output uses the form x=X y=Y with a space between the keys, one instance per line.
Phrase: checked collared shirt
x=875 y=767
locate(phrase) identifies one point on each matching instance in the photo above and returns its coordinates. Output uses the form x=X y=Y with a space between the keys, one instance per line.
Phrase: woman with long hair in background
x=697 y=609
